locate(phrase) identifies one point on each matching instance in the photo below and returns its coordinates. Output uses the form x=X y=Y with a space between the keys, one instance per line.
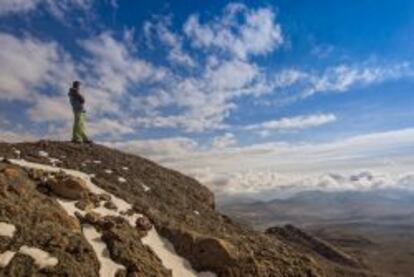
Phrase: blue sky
x=243 y=95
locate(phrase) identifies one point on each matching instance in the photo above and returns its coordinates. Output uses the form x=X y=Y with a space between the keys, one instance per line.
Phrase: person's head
x=76 y=84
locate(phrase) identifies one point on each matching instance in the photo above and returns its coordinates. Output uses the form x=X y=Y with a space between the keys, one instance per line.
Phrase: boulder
x=84 y=205
x=68 y=187
x=110 y=205
x=143 y=224
x=92 y=218
x=203 y=251
x=104 y=197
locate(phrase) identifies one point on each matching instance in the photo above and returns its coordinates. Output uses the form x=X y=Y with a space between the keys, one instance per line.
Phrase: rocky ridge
x=180 y=209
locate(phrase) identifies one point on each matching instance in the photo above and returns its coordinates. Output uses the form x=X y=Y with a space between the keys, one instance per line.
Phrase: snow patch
x=69 y=207
x=125 y=168
x=97 y=162
x=42 y=258
x=197 y=212
x=145 y=188
x=108 y=266
x=108 y=171
x=7 y=230
x=17 y=152
x=43 y=154
x=6 y=257
x=121 y=179
x=54 y=161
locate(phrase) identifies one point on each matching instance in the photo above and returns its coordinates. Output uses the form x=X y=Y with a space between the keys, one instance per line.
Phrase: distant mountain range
x=321 y=207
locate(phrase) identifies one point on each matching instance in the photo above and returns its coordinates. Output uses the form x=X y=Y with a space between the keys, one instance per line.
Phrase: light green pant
x=79 y=133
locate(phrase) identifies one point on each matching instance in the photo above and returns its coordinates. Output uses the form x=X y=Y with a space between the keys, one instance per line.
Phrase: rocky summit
x=88 y=210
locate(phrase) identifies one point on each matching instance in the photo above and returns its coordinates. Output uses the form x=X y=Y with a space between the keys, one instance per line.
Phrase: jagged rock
x=84 y=205
x=143 y=224
x=104 y=197
x=14 y=180
x=36 y=174
x=110 y=205
x=68 y=187
x=92 y=218
x=94 y=199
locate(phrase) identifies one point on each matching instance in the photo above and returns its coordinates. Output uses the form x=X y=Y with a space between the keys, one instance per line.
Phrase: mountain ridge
x=181 y=210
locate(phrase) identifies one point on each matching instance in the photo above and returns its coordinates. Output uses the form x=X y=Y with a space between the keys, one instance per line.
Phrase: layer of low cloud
x=259 y=169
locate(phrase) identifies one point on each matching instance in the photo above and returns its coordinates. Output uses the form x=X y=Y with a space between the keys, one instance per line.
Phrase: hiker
x=77 y=101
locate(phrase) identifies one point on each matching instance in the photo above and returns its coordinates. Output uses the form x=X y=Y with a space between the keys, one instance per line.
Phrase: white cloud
x=343 y=77
x=163 y=150
x=48 y=108
x=111 y=71
x=224 y=141
x=297 y=122
x=28 y=65
x=112 y=128
x=265 y=168
x=240 y=31
x=161 y=29
x=219 y=86
x=56 y=8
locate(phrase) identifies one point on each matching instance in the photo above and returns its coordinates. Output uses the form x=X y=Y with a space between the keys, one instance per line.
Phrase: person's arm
x=81 y=98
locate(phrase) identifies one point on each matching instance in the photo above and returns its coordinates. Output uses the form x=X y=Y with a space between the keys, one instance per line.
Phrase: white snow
x=6 y=257
x=17 y=152
x=121 y=179
x=162 y=247
x=197 y=212
x=125 y=168
x=70 y=207
x=43 y=154
x=42 y=258
x=97 y=162
x=145 y=187
x=108 y=171
x=7 y=230
x=108 y=266
x=54 y=161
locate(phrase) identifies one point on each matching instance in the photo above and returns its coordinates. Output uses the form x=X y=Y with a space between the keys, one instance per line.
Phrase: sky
x=251 y=97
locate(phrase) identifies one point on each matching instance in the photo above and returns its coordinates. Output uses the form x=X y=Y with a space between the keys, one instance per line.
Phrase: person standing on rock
x=77 y=101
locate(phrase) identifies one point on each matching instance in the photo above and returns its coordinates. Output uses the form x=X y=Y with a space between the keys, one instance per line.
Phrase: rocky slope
x=108 y=203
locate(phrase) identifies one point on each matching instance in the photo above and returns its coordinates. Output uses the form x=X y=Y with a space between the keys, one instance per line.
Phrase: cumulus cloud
x=28 y=65
x=297 y=122
x=161 y=30
x=240 y=31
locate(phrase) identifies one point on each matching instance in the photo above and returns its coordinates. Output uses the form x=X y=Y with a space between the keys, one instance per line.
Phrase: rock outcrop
x=178 y=207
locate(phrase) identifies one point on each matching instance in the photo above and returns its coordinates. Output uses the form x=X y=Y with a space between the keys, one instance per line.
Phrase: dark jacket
x=76 y=100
